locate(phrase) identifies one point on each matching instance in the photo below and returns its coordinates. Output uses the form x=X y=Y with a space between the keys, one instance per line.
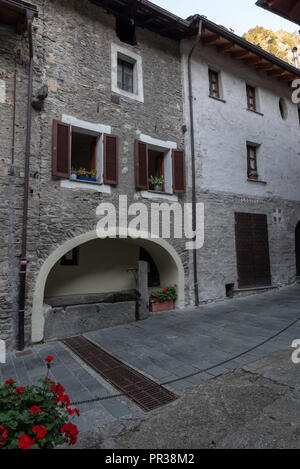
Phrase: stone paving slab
x=165 y=347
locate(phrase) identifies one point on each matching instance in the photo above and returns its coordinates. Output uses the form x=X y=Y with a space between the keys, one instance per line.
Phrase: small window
x=299 y=113
x=71 y=258
x=125 y=75
x=252 y=162
x=156 y=170
x=283 y=108
x=251 y=98
x=214 y=87
x=83 y=151
x=84 y=155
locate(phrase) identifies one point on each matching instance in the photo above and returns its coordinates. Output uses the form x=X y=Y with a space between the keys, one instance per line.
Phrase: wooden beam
x=276 y=73
x=239 y=55
x=253 y=61
x=210 y=40
x=226 y=47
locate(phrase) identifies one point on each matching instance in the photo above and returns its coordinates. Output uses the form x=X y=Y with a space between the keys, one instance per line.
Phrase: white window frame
x=98 y=130
x=166 y=147
x=133 y=58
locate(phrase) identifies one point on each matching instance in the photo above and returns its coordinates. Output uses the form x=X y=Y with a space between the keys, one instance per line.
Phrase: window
x=125 y=75
x=152 y=159
x=71 y=258
x=251 y=98
x=252 y=162
x=214 y=86
x=84 y=151
x=156 y=169
x=283 y=108
x=84 y=155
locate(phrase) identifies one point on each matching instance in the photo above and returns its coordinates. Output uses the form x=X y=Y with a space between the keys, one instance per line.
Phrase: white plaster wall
x=222 y=129
x=102 y=268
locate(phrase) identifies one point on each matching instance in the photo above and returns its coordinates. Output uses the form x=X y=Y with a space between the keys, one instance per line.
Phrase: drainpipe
x=23 y=260
x=195 y=268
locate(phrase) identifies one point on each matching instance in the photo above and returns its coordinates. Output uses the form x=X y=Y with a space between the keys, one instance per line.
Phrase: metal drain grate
x=143 y=391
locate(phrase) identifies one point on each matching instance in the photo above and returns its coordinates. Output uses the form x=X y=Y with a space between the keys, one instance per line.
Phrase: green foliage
x=279 y=43
x=35 y=417
x=169 y=293
x=156 y=181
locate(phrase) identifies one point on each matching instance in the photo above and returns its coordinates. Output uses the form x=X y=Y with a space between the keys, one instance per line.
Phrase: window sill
x=159 y=195
x=217 y=99
x=84 y=185
x=255 y=112
x=257 y=180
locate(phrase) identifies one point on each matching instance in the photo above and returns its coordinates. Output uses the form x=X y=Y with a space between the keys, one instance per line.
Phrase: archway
x=297 y=240
x=166 y=258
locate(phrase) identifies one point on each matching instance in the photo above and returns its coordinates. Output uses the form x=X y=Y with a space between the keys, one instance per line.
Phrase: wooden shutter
x=141 y=165
x=111 y=159
x=178 y=160
x=297 y=234
x=61 y=150
x=252 y=249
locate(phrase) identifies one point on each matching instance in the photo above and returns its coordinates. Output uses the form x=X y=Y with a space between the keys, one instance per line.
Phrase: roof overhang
x=148 y=15
x=16 y=13
x=238 y=48
x=288 y=9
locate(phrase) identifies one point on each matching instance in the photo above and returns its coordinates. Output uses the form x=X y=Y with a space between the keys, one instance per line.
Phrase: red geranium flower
x=72 y=411
x=165 y=291
x=3 y=433
x=40 y=431
x=18 y=391
x=71 y=432
x=175 y=285
x=49 y=359
x=24 y=442
x=9 y=381
x=35 y=410
x=156 y=295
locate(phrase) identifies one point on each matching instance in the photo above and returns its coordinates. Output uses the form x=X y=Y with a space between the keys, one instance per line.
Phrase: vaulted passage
x=298 y=249
x=90 y=283
x=252 y=248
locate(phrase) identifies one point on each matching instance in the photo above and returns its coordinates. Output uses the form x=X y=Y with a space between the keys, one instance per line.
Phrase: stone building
x=107 y=98
x=247 y=165
x=101 y=90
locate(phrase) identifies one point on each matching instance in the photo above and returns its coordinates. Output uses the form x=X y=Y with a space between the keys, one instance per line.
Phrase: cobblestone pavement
x=171 y=345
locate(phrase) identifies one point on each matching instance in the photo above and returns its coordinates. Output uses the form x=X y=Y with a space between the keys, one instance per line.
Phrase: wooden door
x=252 y=249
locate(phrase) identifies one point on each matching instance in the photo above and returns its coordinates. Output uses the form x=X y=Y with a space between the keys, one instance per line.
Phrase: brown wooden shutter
x=252 y=248
x=61 y=150
x=111 y=159
x=141 y=165
x=178 y=160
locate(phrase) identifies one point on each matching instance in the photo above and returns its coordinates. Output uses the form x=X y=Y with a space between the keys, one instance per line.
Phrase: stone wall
x=72 y=44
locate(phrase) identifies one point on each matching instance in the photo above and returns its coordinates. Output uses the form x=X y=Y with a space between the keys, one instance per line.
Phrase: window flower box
x=84 y=178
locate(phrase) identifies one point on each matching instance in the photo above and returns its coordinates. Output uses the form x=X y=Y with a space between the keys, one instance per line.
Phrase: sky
x=240 y=15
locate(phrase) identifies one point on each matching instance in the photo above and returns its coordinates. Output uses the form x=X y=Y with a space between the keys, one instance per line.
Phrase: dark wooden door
x=298 y=249
x=252 y=248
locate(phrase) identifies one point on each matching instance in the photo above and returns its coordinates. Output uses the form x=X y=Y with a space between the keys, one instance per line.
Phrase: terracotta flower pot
x=156 y=307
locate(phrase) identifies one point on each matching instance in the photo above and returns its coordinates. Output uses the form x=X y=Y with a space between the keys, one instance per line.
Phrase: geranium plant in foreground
x=168 y=293
x=36 y=417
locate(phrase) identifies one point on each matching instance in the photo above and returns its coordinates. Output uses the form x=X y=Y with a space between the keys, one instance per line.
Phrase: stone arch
x=153 y=245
